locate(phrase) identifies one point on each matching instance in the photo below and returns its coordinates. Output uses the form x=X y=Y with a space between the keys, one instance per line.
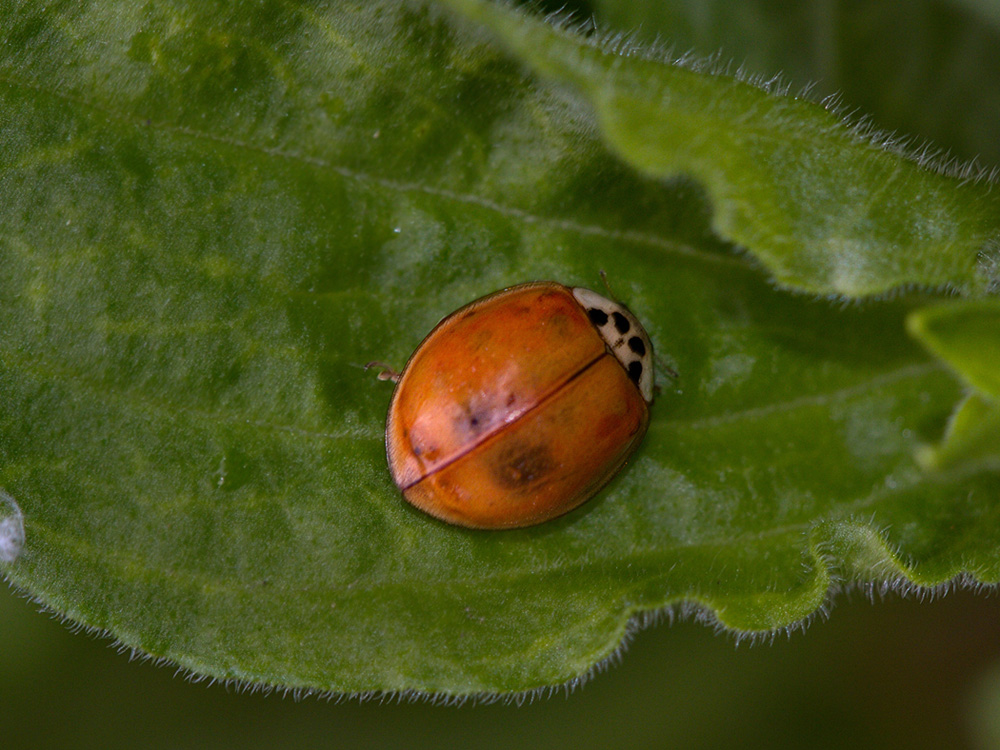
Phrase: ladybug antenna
x=385 y=372
x=611 y=293
x=662 y=367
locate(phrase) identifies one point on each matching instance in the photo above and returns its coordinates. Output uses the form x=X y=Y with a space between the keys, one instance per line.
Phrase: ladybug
x=519 y=406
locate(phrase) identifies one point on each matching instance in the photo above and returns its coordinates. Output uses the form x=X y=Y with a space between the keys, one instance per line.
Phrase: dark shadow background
x=896 y=673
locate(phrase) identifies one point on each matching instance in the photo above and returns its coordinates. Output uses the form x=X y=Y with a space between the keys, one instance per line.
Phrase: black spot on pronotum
x=621 y=322
x=635 y=371
x=519 y=466
x=636 y=345
x=597 y=317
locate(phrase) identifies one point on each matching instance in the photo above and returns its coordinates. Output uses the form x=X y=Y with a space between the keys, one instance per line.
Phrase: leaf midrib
x=506 y=211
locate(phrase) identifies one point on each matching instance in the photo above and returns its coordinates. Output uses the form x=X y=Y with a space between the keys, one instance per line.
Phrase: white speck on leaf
x=220 y=473
x=11 y=529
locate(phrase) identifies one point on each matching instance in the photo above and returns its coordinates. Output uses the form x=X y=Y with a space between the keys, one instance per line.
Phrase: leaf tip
x=929 y=459
x=916 y=325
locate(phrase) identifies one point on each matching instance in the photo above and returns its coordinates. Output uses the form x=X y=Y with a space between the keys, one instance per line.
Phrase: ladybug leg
x=385 y=372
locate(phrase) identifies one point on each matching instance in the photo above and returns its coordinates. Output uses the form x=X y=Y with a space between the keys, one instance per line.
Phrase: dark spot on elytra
x=636 y=345
x=621 y=322
x=597 y=317
x=511 y=398
x=518 y=466
x=475 y=423
x=473 y=420
x=423 y=449
x=635 y=371
x=415 y=446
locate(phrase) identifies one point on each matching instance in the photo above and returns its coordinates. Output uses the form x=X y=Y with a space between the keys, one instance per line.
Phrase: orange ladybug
x=520 y=406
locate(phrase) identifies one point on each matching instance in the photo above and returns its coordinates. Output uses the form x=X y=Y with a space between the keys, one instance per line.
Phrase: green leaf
x=925 y=70
x=825 y=208
x=966 y=335
x=213 y=214
x=972 y=440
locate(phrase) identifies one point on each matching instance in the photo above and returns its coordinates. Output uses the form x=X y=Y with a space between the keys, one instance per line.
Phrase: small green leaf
x=972 y=440
x=966 y=335
x=213 y=214
x=825 y=208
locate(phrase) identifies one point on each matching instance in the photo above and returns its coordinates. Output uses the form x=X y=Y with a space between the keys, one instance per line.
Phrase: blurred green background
x=896 y=673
